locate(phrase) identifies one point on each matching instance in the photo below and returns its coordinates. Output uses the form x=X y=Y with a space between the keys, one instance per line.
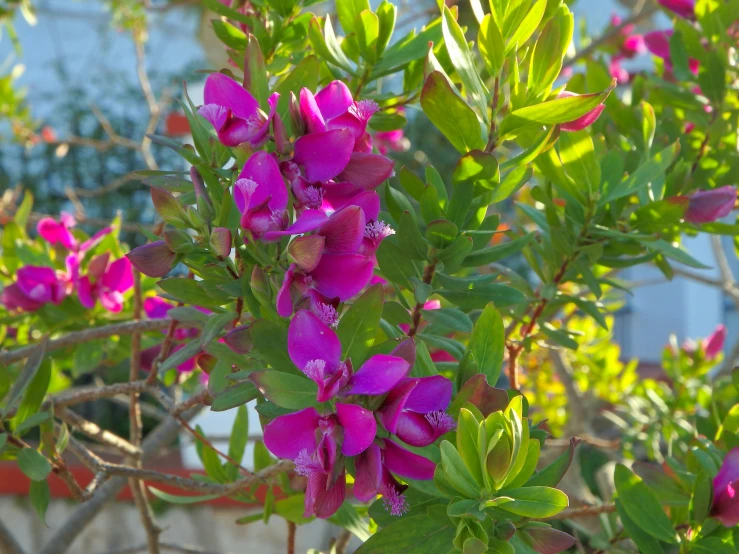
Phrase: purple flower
x=726 y=491
x=391 y=141
x=34 y=287
x=261 y=195
x=414 y=410
x=336 y=128
x=373 y=474
x=706 y=206
x=234 y=113
x=314 y=443
x=683 y=8
x=583 y=121
x=105 y=281
x=154 y=259
x=713 y=344
x=59 y=232
x=316 y=351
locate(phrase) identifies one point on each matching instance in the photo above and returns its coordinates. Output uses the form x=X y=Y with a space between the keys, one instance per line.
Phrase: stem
x=428 y=276
x=492 y=139
x=291 y=529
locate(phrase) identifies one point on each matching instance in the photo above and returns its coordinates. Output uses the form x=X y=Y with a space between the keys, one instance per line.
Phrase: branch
x=166 y=546
x=587 y=511
x=77 y=337
x=613 y=32
x=94 y=432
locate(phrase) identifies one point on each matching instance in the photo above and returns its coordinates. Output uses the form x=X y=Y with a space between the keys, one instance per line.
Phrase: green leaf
x=395 y=265
x=495 y=253
x=456 y=471
x=477 y=167
x=35 y=466
x=712 y=78
x=559 y=110
x=513 y=181
x=412 y=183
x=32 y=421
x=236 y=395
x=642 y=506
x=229 y=35
x=644 y=541
x=348 y=10
x=270 y=340
x=177 y=499
x=419 y=534
x=188 y=291
x=179 y=356
x=239 y=435
x=551 y=475
x=459 y=204
x=578 y=158
x=487 y=343
x=673 y=252
x=441 y=233
x=450 y=114
x=649 y=172
x=412 y=47
x=450 y=318
x=255 y=74
x=491 y=45
x=461 y=59
x=501 y=295
x=32 y=365
x=367 y=31
x=410 y=239
x=215 y=325
x=286 y=390
x=467 y=444
x=34 y=395
x=550 y=48
x=527 y=27
x=40 y=496
x=358 y=326
x=701 y=498
x=535 y=502
x=453 y=255
x=87 y=357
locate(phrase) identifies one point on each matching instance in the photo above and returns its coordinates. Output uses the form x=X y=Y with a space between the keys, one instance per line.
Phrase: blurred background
x=81 y=85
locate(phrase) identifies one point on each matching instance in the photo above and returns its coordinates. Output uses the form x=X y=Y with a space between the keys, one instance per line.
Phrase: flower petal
x=706 y=206
x=378 y=375
x=359 y=426
x=334 y=99
x=407 y=464
x=324 y=155
x=284 y=296
x=658 y=43
x=344 y=230
x=546 y=540
x=342 y=275
x=224 y=91
x=308 y=221
x=308 y=338
x=394 y=404
x=119 y=276
x=262 y=168
x=369 y=201
x=327 y=500
x=36 y=282
x=414 y=429
x=287 y=435
x=729 y=471
x=367 y=170
x=311 y=113
x=368 y=473
x=13 y=299
x=431 y=394
x=85 y=293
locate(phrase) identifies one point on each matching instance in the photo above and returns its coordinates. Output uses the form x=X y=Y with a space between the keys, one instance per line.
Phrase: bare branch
x=166 y=546
x=587 y=511
x=92 y=430
x=77 y=337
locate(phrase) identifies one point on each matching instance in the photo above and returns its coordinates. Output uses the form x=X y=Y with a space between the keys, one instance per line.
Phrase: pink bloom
x=706 y=206
x=414 y=410
x=34 y=287
x=234 y=112
x=714 y=344
x=261 y=195
x=313 y=442
x=58 y=232
x=726 y=491
x=391 y=141
x=658 y=43
x=683 y=8
x=583 y=121
x=105 y=281
x=617 y=71
x=316 y=351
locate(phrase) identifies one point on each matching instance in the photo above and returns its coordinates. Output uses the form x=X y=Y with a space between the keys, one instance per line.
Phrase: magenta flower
x=314 y=442
x=391 y=141
x=683 y=8
x=706 y=206
x=105 y=281
x=414 y=410
x=726 y=491
x=336 y=143
x=261 y=195
x=714 y=343
x=658 y=43
x=34 y=287
x=373 y=474
x=617 y=71
x=583 y=121
x=234 y=113
x=316 y=351
x=58 y=232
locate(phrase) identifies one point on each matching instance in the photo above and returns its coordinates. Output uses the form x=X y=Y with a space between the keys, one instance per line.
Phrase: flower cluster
x=380 y=391
x=104 y=281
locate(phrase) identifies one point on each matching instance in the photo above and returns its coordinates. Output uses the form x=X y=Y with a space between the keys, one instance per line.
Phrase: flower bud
x=295 y=116
x=583 y=121
x=282 y=143
x=206 y=362
x=239 y=340
x=154 y=259
x=706 y=206
x=220 y=242
x=505 y=531
x=168 y=207
x=194 y=218
x=306 y=251
x=260 y=286
x=714 y=343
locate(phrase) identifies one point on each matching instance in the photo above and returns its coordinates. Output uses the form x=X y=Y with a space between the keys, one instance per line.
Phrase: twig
x=154 y=108
x=428 y=276
x=77 y=337
x=587 y=511
x=92 y=430
x=342 y=541
x=613 y=32
x=35 y=217
x=166 y=546
x=291 y=529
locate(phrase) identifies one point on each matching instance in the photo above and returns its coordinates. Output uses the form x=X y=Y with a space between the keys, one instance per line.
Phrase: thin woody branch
x=94 y=432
